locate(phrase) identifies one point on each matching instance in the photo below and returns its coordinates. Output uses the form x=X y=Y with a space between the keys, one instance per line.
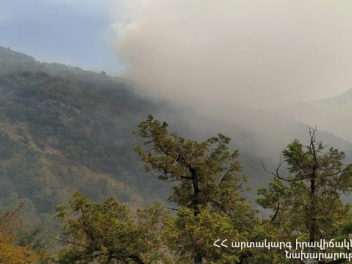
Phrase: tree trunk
x=198 y=257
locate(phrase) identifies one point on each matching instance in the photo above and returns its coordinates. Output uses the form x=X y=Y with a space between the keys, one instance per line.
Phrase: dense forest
x=75 y=182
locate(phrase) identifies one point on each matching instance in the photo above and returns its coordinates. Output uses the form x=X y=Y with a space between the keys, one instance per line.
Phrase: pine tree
x=307 y=203
x=208 y=193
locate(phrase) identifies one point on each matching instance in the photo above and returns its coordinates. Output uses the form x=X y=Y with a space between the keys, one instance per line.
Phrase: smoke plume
x=257 y=54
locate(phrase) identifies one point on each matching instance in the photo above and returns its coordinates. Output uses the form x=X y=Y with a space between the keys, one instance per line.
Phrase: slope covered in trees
x=64 y=129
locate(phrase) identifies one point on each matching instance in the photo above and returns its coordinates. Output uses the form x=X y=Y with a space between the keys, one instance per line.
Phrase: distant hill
x=330 y=114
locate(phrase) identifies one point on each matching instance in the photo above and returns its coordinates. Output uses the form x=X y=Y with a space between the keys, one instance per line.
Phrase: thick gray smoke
x=253 y=53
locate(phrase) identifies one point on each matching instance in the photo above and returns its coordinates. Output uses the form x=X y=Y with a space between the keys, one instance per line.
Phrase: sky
x=75 y=32
x=206 y=53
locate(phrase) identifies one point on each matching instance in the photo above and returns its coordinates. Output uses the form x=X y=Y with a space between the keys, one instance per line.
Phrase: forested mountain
x=65 y=129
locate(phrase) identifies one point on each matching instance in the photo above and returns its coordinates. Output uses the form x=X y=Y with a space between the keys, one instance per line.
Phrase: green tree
x=107 y=233
x=306 y=204
x=208 y=194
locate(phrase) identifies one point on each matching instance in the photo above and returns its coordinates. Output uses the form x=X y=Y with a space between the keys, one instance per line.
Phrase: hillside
x=64 y=129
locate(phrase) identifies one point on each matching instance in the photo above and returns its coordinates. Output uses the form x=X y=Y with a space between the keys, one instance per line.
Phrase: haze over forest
x=63 y=129
x=77 y=77
x=251 y=54
x=246 y=64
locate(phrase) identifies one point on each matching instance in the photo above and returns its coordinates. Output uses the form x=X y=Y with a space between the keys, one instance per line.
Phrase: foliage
x=307 y=205
x=107 y=233
x=74 y=121
x=64 y=129
x=209 y=189
x=11 y=252
x=186 y=234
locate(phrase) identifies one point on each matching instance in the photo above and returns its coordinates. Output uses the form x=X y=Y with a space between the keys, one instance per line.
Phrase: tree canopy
x=209 y=193
x=307 y=203
x=108 y=233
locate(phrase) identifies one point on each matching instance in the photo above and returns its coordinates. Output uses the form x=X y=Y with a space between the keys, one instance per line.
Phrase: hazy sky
x=254 y=53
